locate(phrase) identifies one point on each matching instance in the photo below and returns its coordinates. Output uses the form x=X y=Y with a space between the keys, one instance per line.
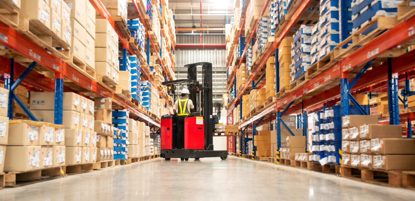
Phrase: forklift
x=196 y=139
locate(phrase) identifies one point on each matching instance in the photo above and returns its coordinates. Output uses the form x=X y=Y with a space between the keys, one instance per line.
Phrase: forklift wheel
x=182 y=159
x=223 y=157
x=167 y=159
x=186 y=159
x=197 y=159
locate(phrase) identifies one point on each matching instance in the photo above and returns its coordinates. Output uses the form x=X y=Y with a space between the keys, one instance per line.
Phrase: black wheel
x=167 y=159
x=197 y=159
x=223 y=157
x=186 y=159
x=182 y=159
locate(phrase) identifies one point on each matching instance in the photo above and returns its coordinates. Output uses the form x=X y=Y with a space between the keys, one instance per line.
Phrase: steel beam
x=58 y=109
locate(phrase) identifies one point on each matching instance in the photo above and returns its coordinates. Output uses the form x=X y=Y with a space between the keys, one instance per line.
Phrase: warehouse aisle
x=210 y=179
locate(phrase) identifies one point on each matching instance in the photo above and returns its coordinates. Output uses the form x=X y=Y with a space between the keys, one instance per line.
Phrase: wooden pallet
x=263 y=158
x=408 y=179
x=285 y=162
x=79 y=168
x=44 y=37
x=13 y=179
x=122 y=25
x=81 y=66
x=2 y=180
x=329 y=168
x=298 y=83
x=103 y=164
x=300 y=164
x=9 y=14
x=389 y=178
x=405 y=11
x=252 y=23
x=107 y=81
x=351 y=172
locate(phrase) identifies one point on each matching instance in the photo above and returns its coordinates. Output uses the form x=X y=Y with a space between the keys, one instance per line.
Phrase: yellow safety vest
x=183 y=107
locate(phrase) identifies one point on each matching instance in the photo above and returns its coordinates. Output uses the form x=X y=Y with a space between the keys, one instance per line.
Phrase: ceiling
x=215 y=14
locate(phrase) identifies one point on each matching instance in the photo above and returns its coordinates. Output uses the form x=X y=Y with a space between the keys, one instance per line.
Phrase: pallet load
x=241 y=76
x=135 y=71
x=133 y=132
x=106 y=54
x=78 y=122
x=246 y=108
x=285 y=60
x=120 y=121
x=83 y=35
x=4 y=126
x=262 y=34
x=253 y=12
x=138 y=32
x=104 y=130
x=141 y=138
x=118 y=9
x=250 y=57
x=145 y=95
x=262 y=143
x=300 y=51
x=278 y=10
x=270 y=78
x=294 y=145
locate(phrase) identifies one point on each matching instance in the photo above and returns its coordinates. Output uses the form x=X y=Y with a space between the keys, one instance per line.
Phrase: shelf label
x=347 y=67
x=4 y=38
x=373 y=53
x=411 y=31
x=56 y=67
x=34 y=55
x=75 y=78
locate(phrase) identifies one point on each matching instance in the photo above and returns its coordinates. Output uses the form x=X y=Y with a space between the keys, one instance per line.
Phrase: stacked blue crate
x=301 y=51
x=329 y=26
x=135 y=71
x=327 y=139
x=145 y=94
x=364 y=11
x=124 y=66
x=273 y=21
x=262 y=33
x=138 y=32
x=120 y=121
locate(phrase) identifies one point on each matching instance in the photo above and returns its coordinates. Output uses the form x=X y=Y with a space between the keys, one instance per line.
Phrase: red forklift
x=191 y=136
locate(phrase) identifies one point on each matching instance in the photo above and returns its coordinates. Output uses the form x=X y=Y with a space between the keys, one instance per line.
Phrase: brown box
x=4 y=130
x=366 y=161
x=104 y=115
x=102 y=128
x=345 y=160
x=47 y=134
x=37 y=10
x=110 y=142
x=296 y=142
x=71 y=119
x=59 y=155
x=93 y=154
x=78 y=10
x=86 y=138
x=393 y=146
x=2 y=157
x=358 y=120
x=73 y=137
x=46 y=101
x=394 y=162
x=66 y=24
x=101 y=141
x=103 y=103
x=59 y=135
x=364 y=146
x=372 y=131
x=346 y=146
x=354 y=160
x=354 y=147
x=56 y=16
x=73 y=155
x=78 y=49
x=22 y=158
x=4 y=101
x=24 y=132
x=86 y=155
x=132 y=151
x=47 y=158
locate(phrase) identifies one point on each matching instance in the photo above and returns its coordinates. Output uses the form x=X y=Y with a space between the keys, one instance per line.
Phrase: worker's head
x=185 y=92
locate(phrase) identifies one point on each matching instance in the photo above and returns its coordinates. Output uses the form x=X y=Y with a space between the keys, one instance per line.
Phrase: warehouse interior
x=207 y=100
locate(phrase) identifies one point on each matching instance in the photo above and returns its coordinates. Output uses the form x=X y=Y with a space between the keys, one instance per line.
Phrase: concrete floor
x=208 y=179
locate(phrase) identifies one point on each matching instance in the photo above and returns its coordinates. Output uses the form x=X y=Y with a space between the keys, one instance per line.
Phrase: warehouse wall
x=216 y=56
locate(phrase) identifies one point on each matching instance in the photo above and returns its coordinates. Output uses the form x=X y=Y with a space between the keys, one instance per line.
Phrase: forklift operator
x=183 y=105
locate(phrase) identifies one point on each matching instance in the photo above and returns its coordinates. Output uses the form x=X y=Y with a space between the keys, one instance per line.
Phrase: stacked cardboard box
x=141 y=138
x=4 y=125
x=285 y=59
x=253 y=11
x=246 y=109
x=133 y=147
x=351 y=140
x=78 y=121
x=263 y=143
x=117 y=8
x=241 y=76
x=83 y=31
x=270 y=78
x=106 y=51
x=104 y=129
x=294 y=145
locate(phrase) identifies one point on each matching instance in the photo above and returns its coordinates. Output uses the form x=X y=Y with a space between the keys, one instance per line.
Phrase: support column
x=58 y=112
x=278 y=130
x=344 y=96
x=10 y=82
x=393 y=97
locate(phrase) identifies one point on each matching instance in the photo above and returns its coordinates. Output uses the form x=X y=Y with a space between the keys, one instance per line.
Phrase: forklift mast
x=206 y=102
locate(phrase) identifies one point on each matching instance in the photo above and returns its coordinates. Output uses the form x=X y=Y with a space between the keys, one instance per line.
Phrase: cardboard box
x=59 y=135
x=59 y=155
x=73 y=155
x=353 y=133
x=2 y=157
x=394 y=162
x=366 y=161
x=24 y=132
x=110 y=142
x=4 y=130
x=86 y=155
x=46 y=101
x=103 y=103
x=73 y=137
x=4 y=101
x=93 y=151
x=388 y=146
x=124 y=82
x=296 y=141
x=38 y=10
x=90 y=27
x=90 y=57
x=101 y=141
x=71 y=119
x=47 y=134
x=78 y=49
x=354 y=160
x=56 y=16
x=364 y=146
x=358 y=120
x=66 y=24
x=91 y=12
x=346 y=146
x=104 y=115
x=345 y=160
x=132 y=151
x=78 y=10
x=22 y=158
x=102 y=128
x=86 y=136
x=354 y=147
x=93 y=139
x=47 y=158
x=372 y=131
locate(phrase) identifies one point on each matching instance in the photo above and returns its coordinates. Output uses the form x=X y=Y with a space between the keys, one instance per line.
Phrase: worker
x=182 y=108
x=183 y=105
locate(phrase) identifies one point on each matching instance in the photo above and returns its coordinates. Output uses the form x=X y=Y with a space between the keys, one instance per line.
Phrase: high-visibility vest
x=183 y=111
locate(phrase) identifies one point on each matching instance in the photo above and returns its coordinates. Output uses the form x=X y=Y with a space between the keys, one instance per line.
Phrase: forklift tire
x=223 y=157
x=186 y=159
x=197 y=159
x=182 y=159
x=167 y=159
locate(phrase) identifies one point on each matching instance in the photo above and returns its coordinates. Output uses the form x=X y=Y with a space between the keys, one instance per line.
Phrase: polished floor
x=209 y=179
